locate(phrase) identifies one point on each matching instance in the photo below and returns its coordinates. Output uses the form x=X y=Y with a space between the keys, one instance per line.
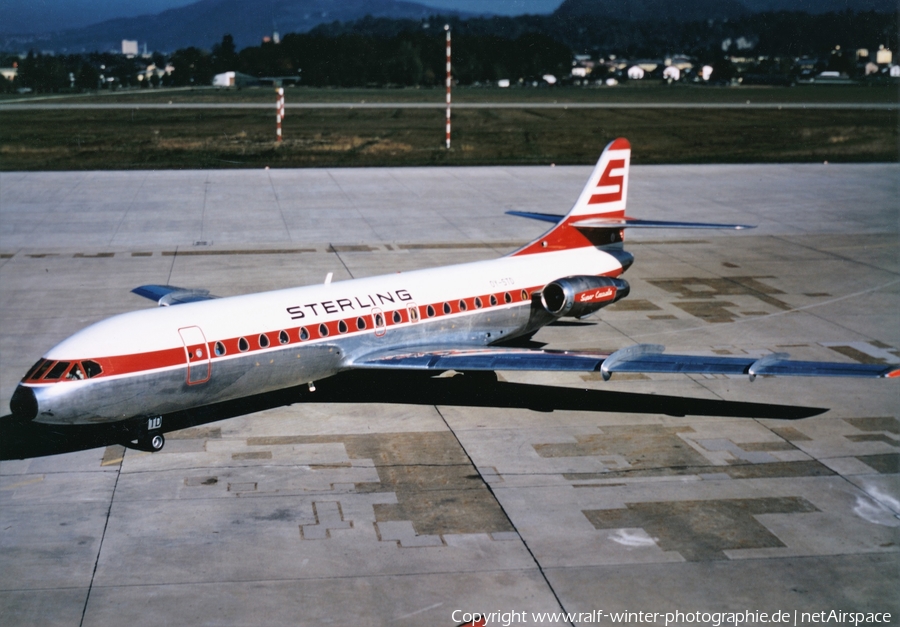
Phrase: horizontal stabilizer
x=617 y=223
x=544 y=217
x=640 y=358
x=167 y=295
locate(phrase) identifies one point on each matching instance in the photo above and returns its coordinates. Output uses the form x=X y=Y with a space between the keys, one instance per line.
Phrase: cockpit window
x=42 y=369
x=34 y=369
x=57 y=371
x=76 y=373
x=91 y=368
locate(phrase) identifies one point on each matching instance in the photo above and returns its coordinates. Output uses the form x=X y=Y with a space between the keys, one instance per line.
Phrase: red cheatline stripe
x=173 y=357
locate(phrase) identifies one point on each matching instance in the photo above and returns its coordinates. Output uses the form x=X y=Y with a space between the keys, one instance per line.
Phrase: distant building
x=130 y=47
x=235 y=79
x=671 y=73
x=648 y=65
x=680 y=61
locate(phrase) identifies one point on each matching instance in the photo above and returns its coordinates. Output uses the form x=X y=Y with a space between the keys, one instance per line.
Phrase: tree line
x=380 y=51
x=358 y=60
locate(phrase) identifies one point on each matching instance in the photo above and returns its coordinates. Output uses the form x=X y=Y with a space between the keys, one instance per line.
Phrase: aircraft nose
x=24 y=403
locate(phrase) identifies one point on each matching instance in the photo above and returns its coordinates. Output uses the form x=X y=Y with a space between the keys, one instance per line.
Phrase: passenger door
x=196 y=352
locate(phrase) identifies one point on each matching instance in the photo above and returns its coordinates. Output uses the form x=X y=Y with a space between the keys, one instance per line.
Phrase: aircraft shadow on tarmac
x=472 y=389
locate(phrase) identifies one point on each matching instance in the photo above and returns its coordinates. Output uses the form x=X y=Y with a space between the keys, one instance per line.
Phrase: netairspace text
x=795 y=618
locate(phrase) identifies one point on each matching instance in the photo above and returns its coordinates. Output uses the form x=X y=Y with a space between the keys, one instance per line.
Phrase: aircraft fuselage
x=162 y=360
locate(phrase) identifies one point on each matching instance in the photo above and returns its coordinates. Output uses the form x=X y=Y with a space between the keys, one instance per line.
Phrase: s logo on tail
x=615 y=182
x=606 y=191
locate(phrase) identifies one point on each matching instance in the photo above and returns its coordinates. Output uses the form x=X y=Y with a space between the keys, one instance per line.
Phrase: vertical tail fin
x=606 y=191
x=605 y=196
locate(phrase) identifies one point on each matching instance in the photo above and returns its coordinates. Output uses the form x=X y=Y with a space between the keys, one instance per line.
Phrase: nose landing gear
x=153 y=442
x=146 y=434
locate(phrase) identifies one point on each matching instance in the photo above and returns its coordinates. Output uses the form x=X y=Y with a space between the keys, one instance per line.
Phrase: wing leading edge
x=639 y=358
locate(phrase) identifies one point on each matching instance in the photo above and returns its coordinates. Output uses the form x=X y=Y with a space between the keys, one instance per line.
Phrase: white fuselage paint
x=165 y=388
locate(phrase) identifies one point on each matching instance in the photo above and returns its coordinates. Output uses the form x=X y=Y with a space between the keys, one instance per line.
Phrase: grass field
x=221 y=138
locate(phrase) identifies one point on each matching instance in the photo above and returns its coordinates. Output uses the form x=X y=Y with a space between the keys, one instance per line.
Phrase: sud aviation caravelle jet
x=197 y=349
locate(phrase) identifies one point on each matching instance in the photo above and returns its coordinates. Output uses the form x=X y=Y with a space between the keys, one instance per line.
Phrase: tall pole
x=447 y=28
x=279 y=112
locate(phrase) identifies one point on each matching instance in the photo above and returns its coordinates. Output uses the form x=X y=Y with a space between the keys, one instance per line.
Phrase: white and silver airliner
x=195 y=349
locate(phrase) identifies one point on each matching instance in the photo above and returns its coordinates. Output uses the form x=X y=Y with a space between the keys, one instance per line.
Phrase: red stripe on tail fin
x=604 y=196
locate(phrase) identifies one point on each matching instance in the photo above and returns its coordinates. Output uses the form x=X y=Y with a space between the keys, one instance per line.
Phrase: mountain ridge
x=203 y=23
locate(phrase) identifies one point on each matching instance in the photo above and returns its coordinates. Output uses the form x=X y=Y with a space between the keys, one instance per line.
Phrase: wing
x=167 y=295
x=639 y=358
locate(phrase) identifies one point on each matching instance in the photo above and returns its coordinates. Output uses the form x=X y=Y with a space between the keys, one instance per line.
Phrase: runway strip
x=870 y=106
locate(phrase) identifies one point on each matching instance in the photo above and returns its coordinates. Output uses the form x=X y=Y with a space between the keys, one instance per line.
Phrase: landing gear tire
x=153 y=442
x=157 y=442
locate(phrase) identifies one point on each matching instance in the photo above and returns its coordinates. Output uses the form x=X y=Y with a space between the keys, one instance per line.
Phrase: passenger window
x=304 y=334
x=524 y=295
x=263 y=341
x=91 y=368
x=397 y=317
x=57 y=371
x=360 y=323
x=447 y=308
x=342 y=327
x=220 y=349
x=413 y=313
x=507 y=297
x=478 y=303
x=493 y=300
x=243 y=345
x=283 y=337
x=429 y=311
x=462 y=305
x=323 y=330
x=75 y=374
x=379 y=320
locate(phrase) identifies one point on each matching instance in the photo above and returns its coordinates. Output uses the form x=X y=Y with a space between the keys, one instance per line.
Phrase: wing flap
x=642 y=358
x=483 y=359
x=168 y=295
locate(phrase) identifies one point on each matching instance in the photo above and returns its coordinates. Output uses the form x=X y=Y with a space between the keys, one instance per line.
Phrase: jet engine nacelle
x=578 y=296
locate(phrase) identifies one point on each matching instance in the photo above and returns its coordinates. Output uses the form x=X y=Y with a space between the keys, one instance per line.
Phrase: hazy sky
x=46 y=15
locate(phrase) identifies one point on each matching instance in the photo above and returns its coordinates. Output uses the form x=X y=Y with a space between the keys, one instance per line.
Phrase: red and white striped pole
x=447 y=28
x=279 y=112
